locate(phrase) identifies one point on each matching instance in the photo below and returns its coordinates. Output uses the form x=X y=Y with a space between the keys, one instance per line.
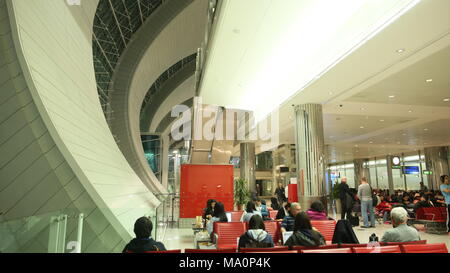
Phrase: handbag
x=354 y=220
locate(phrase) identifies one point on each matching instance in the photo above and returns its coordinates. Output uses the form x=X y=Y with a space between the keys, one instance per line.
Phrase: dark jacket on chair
x=142 y=245
x=299 y=238
x=344 y=234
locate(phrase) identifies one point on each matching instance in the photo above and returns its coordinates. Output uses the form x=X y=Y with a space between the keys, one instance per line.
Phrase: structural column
x=436 y=160
x=165 y=161
x=361 y=170
x=389 y=173
x=310 y=153
x=247 y=164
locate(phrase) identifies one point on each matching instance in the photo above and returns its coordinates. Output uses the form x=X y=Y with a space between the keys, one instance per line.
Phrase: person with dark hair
x=304 y=234
x=288 y=222
x=256 y=236
x=317 y=211
x=283 y=211
x=347 y=199
x=280 y=193
x=209 y=210
x=218 y=216
x=250 y=210
x=143 y=242
x=274 y=203
x=262 y=208
x=445 y=190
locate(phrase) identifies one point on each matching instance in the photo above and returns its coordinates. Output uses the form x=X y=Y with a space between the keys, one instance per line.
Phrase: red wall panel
x=202 y=182
x=292 y=193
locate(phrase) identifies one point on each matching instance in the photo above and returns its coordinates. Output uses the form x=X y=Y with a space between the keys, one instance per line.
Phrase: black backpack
x=374 y=198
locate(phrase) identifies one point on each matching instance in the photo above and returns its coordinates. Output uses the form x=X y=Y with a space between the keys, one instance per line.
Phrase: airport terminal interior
x=199 y=123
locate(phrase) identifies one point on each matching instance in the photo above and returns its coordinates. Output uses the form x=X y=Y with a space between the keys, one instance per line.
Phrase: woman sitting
x=317 y=211
x=218 y=216
x=274 y=204
x=283 y=211
x=256 y=236
x=304 y=234
x=250 y=210
x=383 y=209
x=208 y=212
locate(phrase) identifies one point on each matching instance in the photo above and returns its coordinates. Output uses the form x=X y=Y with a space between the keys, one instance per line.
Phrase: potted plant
x=335 y=196
x=241 y=193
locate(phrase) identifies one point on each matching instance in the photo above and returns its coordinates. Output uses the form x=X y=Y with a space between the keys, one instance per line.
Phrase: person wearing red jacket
x=383 y=209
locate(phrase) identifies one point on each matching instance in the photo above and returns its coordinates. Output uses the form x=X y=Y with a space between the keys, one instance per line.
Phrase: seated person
x=289 y=220
x=424 y=202
x=317 y=211
x=274 y=204
x=304 y=234
x=262 y=208
x=209 y=210
x=401 y=231
x=218 y=216
x=250 y=210
x=256 y=235
x=143 y=242
x=440 y=201
x=283 y=211
x=383 y=209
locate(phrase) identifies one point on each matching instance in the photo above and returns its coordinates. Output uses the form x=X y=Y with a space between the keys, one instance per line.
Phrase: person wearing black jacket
x=346 y=197
x=256 y=236
x=280 y=193
x=282 y=211
x=304 y=234
x=208 y=212
x=143 y=242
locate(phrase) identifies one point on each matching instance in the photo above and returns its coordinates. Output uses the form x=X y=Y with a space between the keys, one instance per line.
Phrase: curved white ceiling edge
x=284 y=45
x=182 y=93
x=56 y=57
x=180 y=38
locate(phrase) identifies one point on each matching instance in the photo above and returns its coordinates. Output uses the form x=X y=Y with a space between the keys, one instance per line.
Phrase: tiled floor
x=183 y=238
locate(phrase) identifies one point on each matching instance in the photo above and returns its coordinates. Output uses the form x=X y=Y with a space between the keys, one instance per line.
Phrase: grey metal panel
x=120 y=87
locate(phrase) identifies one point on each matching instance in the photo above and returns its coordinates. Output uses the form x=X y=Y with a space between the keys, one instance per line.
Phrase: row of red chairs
x=398 y=248
x=227 y=233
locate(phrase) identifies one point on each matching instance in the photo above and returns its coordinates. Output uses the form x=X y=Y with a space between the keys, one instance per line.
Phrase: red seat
x=421 y=242
x=438 y=214
x=352 y=245
x=326 y=228
x=266 y=249
x=282 y=251
x=274 y=229
x=221 y=250
x=236 y=215
x=425 y=248
x=331 y=250
x=273 y=214
x=315 y=247
x=228 y=233
x=381 y=249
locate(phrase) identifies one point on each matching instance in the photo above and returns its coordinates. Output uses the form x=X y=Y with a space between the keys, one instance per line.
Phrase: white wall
x=53 y=44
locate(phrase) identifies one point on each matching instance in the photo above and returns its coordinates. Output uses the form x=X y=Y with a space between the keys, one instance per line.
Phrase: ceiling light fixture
x=400 y=50
x=391 y=96
x=381 y=120
x=426 y=129
x=430 y=80
x=447 y=99
x=362 y=127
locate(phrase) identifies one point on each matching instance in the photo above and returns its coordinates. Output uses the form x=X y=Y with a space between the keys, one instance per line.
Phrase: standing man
x=445 y=189
x=346 y=198
x=365 y=195
x=280 y=193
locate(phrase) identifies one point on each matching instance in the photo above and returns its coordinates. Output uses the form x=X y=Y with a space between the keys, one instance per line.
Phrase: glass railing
x=166 y=214
x=53 y=232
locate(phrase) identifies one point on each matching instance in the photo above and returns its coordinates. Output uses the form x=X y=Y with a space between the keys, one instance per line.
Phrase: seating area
x=410 y=247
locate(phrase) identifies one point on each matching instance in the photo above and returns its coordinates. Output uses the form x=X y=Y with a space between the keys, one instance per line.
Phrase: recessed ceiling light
x=362 y=127
x=429 y=80
x=403 y=134
x=410 y=111
x=370 y=142
x=391 y=96
x=362 y=109
x=356 y=145
x=381 y=120
x=330 y=93
x=400 y=50
x=426 y=129
x=446 y=100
